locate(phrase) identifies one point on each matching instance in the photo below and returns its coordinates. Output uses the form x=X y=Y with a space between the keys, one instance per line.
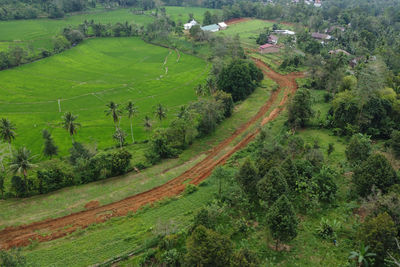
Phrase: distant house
x=273 y=39
x=222 y=25
x=188 y=26
x=284 y=32
x=268 y=48
x=320 y=36
x=333 y=28
x=338 y=51
x=210 y=28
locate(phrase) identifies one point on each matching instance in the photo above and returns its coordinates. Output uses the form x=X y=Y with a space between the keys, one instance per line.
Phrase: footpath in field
x=55 y=228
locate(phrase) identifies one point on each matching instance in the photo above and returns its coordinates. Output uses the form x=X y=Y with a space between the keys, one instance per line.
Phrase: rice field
x=85 y=78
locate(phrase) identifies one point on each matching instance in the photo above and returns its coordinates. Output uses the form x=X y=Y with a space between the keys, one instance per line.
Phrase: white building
x=188 y=26
x=222 y=25
x=284 y=32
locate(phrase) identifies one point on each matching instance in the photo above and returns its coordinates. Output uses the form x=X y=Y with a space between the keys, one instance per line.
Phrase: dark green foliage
x=263 y=37
x=375 y=171
x=326 y=185
x=244 y=258
x=12 y=258
x=211 y=113
x=204 y=218
x=19 y=186
x=120 y=162
x=160 y=147
x=227 y=102
x=315 y=157
x=330 y=149
x=289 y=172
x=299 y=109
x=395 y=143
x=248 y=178
x=54 y=175
x=272 y=186
x=95 y=168
x=190 y=189
x=358 y=149
x=78 y=151
x=379 y=232
x=304 y=168
x=292 y=63
x=208 y=248
x=282 y=220
x=239 y=78
x=2 y=177
x=50 y=149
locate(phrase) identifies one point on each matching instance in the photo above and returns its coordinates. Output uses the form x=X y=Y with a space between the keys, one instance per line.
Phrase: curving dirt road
x=55 y=228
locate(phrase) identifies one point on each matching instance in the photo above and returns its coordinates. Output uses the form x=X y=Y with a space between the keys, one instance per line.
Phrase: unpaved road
x=55 y=228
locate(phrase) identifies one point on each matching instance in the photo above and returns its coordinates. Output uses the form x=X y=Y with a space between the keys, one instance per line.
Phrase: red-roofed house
x=268 y=48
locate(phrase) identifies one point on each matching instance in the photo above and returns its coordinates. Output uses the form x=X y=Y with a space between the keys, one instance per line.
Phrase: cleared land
x=55 y=228
x=86 y=78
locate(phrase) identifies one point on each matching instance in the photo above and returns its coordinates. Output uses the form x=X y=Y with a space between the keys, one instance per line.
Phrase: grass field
x=38 y=33
x=85 y=79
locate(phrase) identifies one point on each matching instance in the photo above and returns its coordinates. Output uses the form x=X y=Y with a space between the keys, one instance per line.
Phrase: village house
x=284 y=32
x=222 y=25
x=333 y=28
x=188 y=26
x=338 y=51
x=268 y=48
x=321 y=36
x=273 y=39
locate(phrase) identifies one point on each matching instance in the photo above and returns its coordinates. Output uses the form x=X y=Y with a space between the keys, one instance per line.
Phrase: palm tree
x=132 y=111
x=21 y=162
x=7 y=131
x=362 y=257
x=114 y=112
x=69 y=124
x=147 y=123
x=119 y=136
x=160 y=112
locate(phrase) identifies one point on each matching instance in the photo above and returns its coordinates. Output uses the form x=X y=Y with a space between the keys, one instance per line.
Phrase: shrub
x=358 y=149
x=190 y=189
x=328 y=229
x=54 y=175
x=120 y=162
x=227 y=102
x=395 y=143
x=272 y=186
x=325 y=184
x=19 y=186
x=299 y=109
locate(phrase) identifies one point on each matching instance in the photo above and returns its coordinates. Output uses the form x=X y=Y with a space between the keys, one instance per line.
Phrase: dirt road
x=55 y=228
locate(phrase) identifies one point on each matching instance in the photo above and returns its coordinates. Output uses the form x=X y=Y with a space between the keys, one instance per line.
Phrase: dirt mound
x=234 y=21
x=92 y=205
x=59 y=227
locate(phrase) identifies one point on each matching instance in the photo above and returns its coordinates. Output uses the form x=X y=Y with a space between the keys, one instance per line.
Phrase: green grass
x=86 y=78
x=73 y=199
x=181 y=14
x=38 y=33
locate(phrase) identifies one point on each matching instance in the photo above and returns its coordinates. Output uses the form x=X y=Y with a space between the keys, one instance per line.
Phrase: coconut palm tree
x=7 y=131
x=69 y=124
x=362 y=257
x=114 y=112
x=132 y=111
x=147 y=123
x=21 y=162
x=160 y=112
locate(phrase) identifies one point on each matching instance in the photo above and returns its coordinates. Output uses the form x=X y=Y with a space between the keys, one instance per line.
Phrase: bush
x=19 y=186
x=272 y=186
x=227 y=102
x=358 y=149
x=54 y=175
x=190 y=189
x=299 y=109
x=395 y=143
x=120 y=162
x=325 y=183
x=328 y=229
x=375 y=171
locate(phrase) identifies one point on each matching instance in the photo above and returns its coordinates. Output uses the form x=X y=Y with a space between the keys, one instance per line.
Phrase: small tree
x=147 y=123
x=12 y=258
x=119 y=136
x=362 y=257
x=375 y=171
x=358 y=149
x=227 y=102
x=282 y=221
x=50 y=149
x=7 y=132
x=330 y=149
x=299 y=109
x=208 y=248
x=247 y=179
x=272 y=186
x=379 y=232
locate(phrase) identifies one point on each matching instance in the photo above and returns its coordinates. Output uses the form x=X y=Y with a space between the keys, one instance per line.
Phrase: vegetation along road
x=55 y=228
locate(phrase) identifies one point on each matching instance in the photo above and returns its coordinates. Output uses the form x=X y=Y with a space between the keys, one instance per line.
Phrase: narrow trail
x=55 y=228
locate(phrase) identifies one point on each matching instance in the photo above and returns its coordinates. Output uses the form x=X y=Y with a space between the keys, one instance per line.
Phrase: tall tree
x=7 y=131
x=160 y=112
x=21 y=162
x=50 y=149
x=113 y=110
x=69 y=124
x=132 y=111
x=282 y=220
x=299 y=108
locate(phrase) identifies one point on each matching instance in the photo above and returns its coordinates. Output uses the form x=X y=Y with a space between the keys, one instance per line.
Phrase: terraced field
x=84 y=79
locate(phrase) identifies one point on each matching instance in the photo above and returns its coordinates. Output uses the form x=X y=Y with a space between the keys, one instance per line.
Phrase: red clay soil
x=55 y=228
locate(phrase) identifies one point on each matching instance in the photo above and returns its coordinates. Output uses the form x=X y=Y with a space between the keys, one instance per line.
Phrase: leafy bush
x=190 y=189
x=328 y=229
x=120 y=162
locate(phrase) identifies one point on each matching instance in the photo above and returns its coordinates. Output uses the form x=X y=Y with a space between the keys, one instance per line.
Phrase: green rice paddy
x=85 y=78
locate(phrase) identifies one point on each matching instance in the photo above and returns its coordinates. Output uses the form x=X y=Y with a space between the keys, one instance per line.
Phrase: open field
x=38 y=33
x=86 y=78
